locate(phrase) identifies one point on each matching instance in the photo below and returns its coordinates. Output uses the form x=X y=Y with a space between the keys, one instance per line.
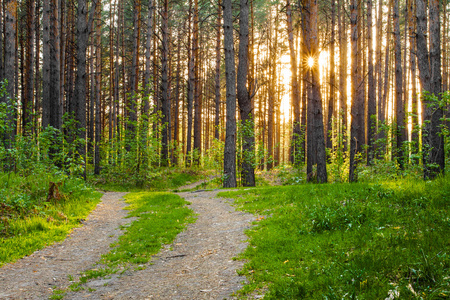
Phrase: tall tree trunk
x=229 y=159
x=10 y=69
x=177 y=103
x=316 y=100
x=190 y=94
x=133 y=101
x=165 y=104
x=429 y=64
x=343 y=42
x=80 y=81
x=197 y=92
x=295 y=93
x=378 y=59
x=383 y=103
x=98 y=80
x=272 y=97
x=371 y=102
x=401 y=134
x=412 y=65
x=27 y=105
x=217 y=75
x=148 y=61
x=244 y=100
x=332 y=98
x=51 y=66
x=356 y=112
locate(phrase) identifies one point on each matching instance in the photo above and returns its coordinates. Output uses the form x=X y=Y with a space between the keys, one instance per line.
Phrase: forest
x=125 y=86
x=148 y=95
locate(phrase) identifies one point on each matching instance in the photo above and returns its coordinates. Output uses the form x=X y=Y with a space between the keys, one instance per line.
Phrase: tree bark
x=10 y=50
x=357 y=114
x=332 y=98
x=27 y=105
x=429 y=64
x=217 y=74
x=165 y=104
x=148 y=61
x=295 y=93
x=371 y=105
x=197 y=92
x=190 y=94
x=401 y=134
x=229 y=161
x=244 y=100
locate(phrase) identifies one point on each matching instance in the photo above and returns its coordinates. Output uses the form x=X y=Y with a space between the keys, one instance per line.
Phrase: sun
x=310 y=62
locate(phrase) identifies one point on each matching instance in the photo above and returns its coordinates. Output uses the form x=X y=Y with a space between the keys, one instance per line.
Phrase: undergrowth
x=158 y=179
x=30 y=219
x=349 y=241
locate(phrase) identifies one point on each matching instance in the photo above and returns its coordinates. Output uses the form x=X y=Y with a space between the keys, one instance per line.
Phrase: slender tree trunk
x=378 y=59
x=133 y=101
x=165 y=82
x=229 y=161
x=372 y=105
x=343 y=71
x=429 y=64
x=295 y=93
x=2 y=27
x=190 y=94
x=401 y=135
x=217 y=74
x=98 y=79
x=197 y=92
x=357 y=114
x=332 y=98
x=80 y=81
x=383 y=103
x=244 y=100
x=10 y=50
x=316 y=100
x=412 y=65
x=51 y=66
x=177 y=102
x=27 y=105
x=148 y=61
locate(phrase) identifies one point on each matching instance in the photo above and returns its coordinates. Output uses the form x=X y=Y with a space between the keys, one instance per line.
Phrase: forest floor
x=197 y=265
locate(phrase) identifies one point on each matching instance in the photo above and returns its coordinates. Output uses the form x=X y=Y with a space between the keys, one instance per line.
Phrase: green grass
x=28 y=222
x=348 y=241
x=160 y=217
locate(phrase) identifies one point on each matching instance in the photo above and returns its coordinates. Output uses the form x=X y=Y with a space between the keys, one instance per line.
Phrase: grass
x=29 y=222
x=349 y=241
x=160 y=217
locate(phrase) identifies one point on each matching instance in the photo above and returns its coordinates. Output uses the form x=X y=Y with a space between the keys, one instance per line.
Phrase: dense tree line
x=192 y=82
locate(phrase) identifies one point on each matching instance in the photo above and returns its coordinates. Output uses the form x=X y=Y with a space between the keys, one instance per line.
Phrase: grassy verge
x=160 y=217
x=29 y=220
x=349 y=241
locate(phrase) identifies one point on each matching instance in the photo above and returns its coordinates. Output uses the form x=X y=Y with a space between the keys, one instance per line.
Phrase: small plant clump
x=349 y=241
x=39 y=209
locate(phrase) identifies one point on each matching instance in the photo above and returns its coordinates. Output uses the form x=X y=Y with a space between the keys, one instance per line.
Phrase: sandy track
x=198 y=265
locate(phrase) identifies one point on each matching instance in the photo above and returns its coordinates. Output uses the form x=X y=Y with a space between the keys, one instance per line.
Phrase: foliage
x=348 y=241
x=155 y=179
x=30 y=220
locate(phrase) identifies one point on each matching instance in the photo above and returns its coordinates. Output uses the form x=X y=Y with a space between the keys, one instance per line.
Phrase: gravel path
x=34 y=276
x=198 y=265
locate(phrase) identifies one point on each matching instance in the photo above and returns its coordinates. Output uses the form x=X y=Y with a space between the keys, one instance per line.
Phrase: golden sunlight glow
x=310 y=62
